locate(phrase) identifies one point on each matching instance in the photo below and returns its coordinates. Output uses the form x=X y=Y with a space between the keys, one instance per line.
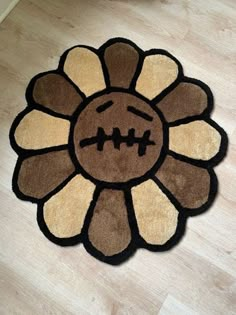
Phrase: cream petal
x=158 y=72
x=156 y=215
x=84 y=68
x=38 y=130
x=197 y=140
x=64 y=212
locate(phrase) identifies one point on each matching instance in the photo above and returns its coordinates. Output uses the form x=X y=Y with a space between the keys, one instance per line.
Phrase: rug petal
x=121 y=60
x=40 y=174
x=189 y=184
x=158 y=72
x=109 y=230
x=39 y=130
x=84 y=68
x=156 y=216
x=187 y=99
x=53 y=91
x=197 y=140
x=64 y=212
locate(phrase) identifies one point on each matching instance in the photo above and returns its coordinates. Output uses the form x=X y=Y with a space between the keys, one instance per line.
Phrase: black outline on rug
x=137 y=241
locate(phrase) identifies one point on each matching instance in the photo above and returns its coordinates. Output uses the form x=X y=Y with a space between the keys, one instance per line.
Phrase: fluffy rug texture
x=117 y=148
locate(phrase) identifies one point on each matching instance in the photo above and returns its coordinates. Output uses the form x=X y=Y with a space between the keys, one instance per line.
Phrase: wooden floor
x=198 y=276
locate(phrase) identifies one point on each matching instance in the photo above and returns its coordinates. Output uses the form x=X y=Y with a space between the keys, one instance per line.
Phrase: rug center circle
x=117 y=137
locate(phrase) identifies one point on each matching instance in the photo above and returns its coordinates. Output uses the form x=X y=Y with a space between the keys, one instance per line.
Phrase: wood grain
x=196 y=277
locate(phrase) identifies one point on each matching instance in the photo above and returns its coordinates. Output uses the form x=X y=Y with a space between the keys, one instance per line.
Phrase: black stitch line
x=117 y=139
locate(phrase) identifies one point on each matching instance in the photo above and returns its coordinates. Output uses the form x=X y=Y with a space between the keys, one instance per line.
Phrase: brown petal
x=188 y=183
x=187 y=99
x=121 y=60
x=56 y=93
x=109 y=230
x=40 y=174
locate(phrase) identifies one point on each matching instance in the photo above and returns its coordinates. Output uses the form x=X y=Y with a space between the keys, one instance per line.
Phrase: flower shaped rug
x=117 y=148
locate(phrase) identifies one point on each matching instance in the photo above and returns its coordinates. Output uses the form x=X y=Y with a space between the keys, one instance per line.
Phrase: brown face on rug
x=117 y=137
x=117 y=148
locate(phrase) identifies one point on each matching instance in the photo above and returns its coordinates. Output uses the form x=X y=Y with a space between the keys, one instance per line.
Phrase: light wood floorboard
x=197 y=276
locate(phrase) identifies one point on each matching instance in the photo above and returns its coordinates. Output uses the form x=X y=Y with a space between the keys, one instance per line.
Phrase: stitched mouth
x=116 y=137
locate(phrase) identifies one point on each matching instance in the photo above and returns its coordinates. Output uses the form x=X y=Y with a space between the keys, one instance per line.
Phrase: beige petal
x=39 y=130
x=197 y=140
x=156 y=215
x=157 y=73
x=84 y=68
x=64 y=213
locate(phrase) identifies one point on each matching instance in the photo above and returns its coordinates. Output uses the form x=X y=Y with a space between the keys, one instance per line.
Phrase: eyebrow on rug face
x=139 y=113
x=104 y=106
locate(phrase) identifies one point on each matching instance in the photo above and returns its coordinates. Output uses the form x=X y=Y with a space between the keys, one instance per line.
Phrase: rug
x=117 y=148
